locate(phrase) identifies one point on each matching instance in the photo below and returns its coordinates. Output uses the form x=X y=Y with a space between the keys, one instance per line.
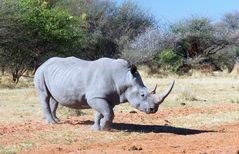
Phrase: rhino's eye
x=142 y=96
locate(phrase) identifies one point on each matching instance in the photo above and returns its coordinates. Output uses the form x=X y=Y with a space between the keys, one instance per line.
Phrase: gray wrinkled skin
x=99 y=84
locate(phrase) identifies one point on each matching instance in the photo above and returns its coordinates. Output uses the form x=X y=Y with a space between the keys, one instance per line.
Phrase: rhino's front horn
x=160 y=98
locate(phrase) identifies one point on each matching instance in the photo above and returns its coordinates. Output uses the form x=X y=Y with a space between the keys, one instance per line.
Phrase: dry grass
x=17 y=105
x=6 y=82
x=235 y=71
x=198 y=89
x=205 y=120
x=186 y=94
x=202 y=90
x=21 y=104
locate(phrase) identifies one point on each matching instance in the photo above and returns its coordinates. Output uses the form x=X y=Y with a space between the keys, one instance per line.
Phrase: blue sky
x=174 y=10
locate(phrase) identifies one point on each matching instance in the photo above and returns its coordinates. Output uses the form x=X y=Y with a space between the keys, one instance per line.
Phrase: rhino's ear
x=133 y=69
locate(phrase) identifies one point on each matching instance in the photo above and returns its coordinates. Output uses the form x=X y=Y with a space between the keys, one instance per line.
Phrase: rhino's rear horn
x=163 y=95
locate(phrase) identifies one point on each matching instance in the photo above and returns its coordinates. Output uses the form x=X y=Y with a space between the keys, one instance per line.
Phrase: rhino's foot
x=51 y=121
x=56 y=120
x=95 y=128
x=105 y=128
x=105 y=124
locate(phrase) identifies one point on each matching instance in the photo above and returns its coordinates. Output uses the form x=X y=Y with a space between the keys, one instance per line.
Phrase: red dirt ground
x=144 y=134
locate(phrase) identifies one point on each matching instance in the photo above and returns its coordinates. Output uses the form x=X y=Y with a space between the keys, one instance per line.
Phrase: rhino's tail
x=39 y=81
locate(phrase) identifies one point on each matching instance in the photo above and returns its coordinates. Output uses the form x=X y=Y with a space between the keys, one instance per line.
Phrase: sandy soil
x=132 y=132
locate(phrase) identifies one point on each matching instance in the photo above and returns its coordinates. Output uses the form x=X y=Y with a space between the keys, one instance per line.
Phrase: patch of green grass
x=69 y=141
x=26 y=144
x=12 y=149
x=8 y=149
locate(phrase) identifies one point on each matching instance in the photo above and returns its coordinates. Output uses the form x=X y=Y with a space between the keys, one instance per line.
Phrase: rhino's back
x=64 y=78
x=63 y=71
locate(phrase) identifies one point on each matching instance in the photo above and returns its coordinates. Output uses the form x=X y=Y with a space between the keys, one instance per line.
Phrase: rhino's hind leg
x=53 y=106
x=45 y=99
x=44 y=96
x=105 y=113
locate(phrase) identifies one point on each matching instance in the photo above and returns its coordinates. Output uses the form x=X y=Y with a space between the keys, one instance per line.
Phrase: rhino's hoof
x=57 y=120
x=51 y=122
x=105 y=129
x=95 y=128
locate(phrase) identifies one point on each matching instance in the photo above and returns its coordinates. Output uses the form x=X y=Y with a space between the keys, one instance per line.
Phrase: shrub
x=168 y=59
x=143 y=48
x=186 y=94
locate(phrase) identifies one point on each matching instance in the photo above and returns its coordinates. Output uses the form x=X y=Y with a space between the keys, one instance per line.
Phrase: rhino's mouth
x=150 y=111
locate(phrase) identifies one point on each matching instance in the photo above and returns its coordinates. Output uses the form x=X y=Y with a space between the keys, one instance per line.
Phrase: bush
x=143 y=48
x=168 y=59
x=195 y=35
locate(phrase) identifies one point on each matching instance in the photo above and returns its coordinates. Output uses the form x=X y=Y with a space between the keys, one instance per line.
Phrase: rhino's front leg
x=98 y=117
x=106 y=121
x=104 y=114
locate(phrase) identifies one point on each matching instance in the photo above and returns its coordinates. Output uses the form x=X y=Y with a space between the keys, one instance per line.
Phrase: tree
x=14 y=56
x=53 y=30
x=32 y=31
x=228 y=30
x=109 y=26
x=195 y=36
x=199 y=41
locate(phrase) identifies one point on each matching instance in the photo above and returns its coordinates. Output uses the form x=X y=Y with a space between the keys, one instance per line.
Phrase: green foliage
x=195 y=36
x=52 y=25
x=169 y=60
x=195 y=25
x=31 y=31
x=201 y=42
x=34 y=31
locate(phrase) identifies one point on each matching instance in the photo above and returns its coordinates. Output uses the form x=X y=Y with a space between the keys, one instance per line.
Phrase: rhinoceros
x=99 y=84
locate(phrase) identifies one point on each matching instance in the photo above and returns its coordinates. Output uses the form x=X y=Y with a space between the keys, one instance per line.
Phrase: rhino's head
x=141 y=97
